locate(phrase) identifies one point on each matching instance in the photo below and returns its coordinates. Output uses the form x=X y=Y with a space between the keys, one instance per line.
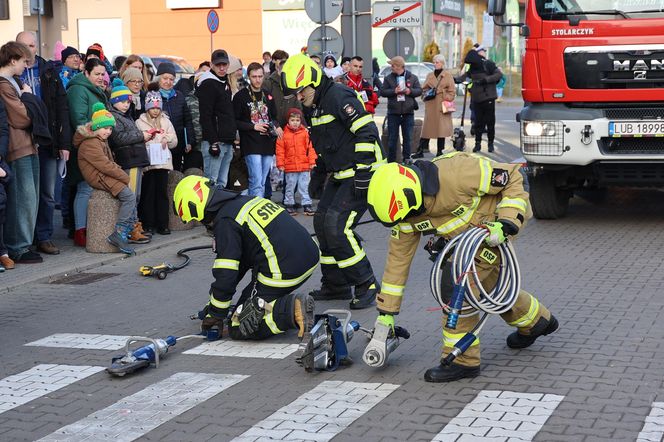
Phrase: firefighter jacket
x=460 y=191
x=257 y=234
x=343 y=133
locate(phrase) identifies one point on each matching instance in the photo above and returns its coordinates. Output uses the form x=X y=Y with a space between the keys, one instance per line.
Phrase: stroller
x=459 y=136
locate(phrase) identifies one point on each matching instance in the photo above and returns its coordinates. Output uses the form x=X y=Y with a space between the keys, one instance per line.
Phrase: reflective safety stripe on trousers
x=528 y=318
x=269 y=319
x=392 y=289
x=358 y=254
x=450 y=339
x=282 y=283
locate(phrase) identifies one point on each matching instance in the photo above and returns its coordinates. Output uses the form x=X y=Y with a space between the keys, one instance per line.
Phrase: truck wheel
x=547 y=201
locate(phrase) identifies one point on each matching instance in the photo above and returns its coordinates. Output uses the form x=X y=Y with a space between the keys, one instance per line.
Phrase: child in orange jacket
x=296 y=157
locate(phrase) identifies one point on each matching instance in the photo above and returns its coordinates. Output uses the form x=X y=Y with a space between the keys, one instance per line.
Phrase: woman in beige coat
x=436 y=123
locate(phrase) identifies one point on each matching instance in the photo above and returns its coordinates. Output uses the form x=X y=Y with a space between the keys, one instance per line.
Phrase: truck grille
x=614 y=67
x=653 y=113
x=630 y=174
x=632 y=146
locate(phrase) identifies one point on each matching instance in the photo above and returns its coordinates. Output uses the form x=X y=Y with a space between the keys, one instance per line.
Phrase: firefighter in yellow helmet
x=348 y=146
x=251 y=234
x=444 y=197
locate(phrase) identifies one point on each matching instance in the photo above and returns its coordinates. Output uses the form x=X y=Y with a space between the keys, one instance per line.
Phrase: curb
x=88 y=262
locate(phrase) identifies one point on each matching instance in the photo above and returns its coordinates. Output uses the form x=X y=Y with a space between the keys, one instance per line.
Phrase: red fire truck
x=593 y=87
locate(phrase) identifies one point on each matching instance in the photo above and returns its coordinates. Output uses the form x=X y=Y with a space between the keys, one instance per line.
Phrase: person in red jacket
x=296 y=157
x=353 y=79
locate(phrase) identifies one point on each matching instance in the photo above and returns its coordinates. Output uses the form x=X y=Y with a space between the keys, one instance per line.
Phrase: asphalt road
x=598 y=378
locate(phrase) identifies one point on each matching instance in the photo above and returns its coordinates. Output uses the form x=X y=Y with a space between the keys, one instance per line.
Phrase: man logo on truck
x=639 y=65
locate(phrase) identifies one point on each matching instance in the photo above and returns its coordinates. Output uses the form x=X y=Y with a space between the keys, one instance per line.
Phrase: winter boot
x=136 y=236
x=477 y=147
x=331 y=292
x=145 y=232
x=119 y=239
x=423 y=147
x=303 y=313
x=365 y=294
x=490 y=146
x=291 y=210
x=541 y=328
x=449 y=373
x=79 y=237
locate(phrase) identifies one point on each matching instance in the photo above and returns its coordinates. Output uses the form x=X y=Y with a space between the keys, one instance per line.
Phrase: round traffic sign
x=212 y=21
x=325 y=40
x=399 y=41
x=323 y=11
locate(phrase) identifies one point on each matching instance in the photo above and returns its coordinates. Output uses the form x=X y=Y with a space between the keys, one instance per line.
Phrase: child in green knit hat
x=100 y=171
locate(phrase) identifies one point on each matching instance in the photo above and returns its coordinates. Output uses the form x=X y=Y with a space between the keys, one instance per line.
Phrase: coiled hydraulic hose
x=464 y=301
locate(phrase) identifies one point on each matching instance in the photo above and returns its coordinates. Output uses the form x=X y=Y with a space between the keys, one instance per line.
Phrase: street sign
x=399 y=41
x=323 y=11
x=397 y=14
x=212 y=21
x=324 y=40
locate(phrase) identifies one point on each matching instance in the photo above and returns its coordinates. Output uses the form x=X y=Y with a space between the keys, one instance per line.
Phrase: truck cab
x=593 y=87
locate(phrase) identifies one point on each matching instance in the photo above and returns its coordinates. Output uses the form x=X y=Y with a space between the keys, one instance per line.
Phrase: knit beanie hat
x=295 y=111
x=120 y=92
x=131 y=74
x=66 y=52
x=153 y=97
x=95 y=49
x=101 y=117
x=166 y=67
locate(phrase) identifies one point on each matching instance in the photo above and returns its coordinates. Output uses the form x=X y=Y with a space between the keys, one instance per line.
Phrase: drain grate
x=83 y=278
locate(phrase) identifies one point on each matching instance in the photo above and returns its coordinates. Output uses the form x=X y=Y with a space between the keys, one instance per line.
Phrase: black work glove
x=210 y=322
x=250 y=316
x=317 y=183
x=214 y=149
x=482 y=81
x=361 y=182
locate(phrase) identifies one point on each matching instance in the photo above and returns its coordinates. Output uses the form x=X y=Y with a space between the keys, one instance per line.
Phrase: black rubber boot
x=490 y=147
x=331 y=292
x=542 y=328
x=449 y=373
x=423 y=147
x=365 y=295
x=477 y=147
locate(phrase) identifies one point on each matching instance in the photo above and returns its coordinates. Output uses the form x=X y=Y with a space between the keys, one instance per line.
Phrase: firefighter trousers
x=278 y=315
x=343 y=260
x=524 y=314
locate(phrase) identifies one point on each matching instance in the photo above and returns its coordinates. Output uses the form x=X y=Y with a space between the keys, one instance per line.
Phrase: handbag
x=431 y=93
x=448 y=107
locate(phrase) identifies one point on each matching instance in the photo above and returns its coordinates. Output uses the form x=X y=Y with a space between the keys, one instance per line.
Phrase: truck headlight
x=542 y=137
x=540 y=128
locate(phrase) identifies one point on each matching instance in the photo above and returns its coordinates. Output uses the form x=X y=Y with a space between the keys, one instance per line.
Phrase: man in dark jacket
x=400 y=88
x=485 y=75
x=46 y=83
x=272 y=86
x=348 y=146
x=217 y=118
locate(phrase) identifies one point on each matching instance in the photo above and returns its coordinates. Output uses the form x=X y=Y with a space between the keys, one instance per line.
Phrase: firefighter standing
x=444 y=198
x=347 y=143
x=251 y=233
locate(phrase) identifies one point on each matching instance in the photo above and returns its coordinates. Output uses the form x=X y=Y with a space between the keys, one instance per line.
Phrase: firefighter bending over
x=444 y=198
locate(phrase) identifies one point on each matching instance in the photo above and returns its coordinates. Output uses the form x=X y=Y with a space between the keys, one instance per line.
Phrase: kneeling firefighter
x=445 y=198
x=251 y=233
x=348 y=146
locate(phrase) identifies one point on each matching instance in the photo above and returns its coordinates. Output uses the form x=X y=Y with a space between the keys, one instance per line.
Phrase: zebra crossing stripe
x=501 y=415
x=653 y=428
x=243 y=349
x=80 y=340
x=21 y=388
x=321 y=413
x=136 y=415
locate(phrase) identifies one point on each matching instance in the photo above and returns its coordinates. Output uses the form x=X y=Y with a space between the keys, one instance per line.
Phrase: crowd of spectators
x=227 y=123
